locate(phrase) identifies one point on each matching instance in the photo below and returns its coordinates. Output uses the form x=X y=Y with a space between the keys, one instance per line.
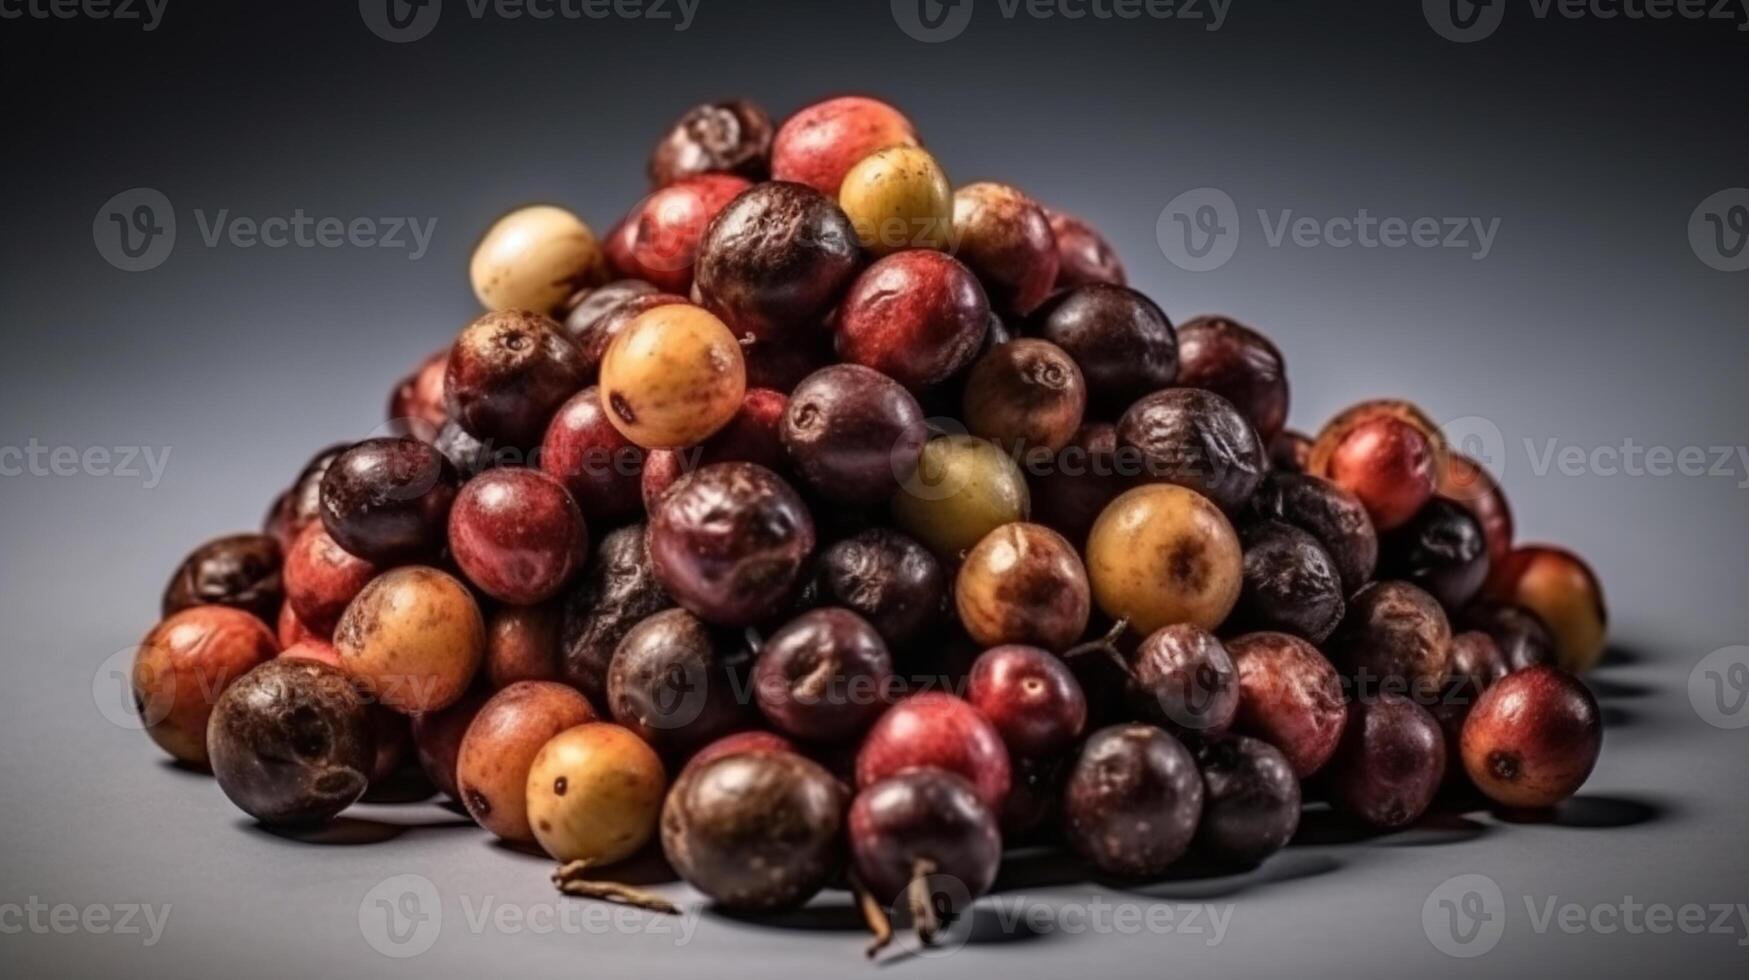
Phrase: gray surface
x=1591 y=322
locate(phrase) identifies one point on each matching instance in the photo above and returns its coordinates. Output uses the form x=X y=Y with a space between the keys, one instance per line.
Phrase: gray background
x=1591 y=322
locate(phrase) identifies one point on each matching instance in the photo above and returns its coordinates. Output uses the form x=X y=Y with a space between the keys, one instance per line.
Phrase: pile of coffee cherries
x=839 y=528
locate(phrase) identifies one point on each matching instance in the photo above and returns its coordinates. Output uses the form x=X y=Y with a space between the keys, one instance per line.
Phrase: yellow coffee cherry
x=1161 y=554
x=672 y=377
x=963 y=489
x=595 y=793
x=535 y=258
x=898 y=198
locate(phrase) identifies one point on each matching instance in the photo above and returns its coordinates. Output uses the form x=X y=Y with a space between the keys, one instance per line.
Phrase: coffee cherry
x=241 y=571
x=594 y=794
x=184 y=663
x=941 y=731
x=885 y=577
x=1327 y=512
x=776 y=259
x=1390 y=763
x=820 y=144
x=1161 y=554
x=414 y=639
x=1030 y=696
x=1023 y=583
x=1533 y=738
x=1132 y=801
x=677 y=683
x=918 y=317
x=755 y=831
x=500 y=747
x=824 y=676
x=533 y=259
x=1524 y=639
x=1469 y=484
x=1395 y=638
x=1239 y=364
x=1290 y=697
x=1005 y=238
x=751 y=436
x=301 y=504
x=668 y=226
x=388 y=500
x=1562 y=590
x=853 y=433
x=1443 y=549
x=898 y=198
x=918 y=824
x=1025 y=394
x=730 y=137
x=1084 y=256
x=602 y=469
x=964 y=488
x=416 y=406
x=616 y=591
x=508 y=373
x=321 y=578
x=1124 y=343
x=1250 y=800
x=672 y=377
x=1083 y=477
x=1197 y=440
x=1291 y=583
x=291 y=742
x=437 y=739
x=1182 y=679
x=518 y=535
x=729 y=542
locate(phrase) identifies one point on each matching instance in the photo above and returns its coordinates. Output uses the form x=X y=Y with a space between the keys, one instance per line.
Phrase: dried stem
x=872 y=913
x=923 y=915
x=570 y=879
x=1105 y=645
